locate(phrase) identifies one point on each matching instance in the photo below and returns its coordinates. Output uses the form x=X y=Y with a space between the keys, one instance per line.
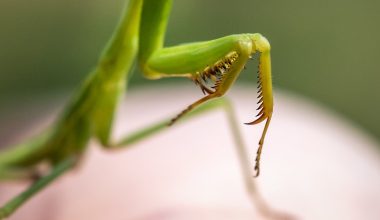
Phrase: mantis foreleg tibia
x=213 y=65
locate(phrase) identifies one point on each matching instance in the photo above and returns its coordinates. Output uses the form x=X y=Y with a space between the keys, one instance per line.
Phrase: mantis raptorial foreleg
x=213 y=65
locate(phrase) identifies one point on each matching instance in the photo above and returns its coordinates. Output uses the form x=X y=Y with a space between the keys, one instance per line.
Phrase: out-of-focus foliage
x=326 y=50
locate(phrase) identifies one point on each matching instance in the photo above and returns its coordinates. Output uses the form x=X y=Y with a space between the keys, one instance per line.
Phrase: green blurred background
x=326 y=50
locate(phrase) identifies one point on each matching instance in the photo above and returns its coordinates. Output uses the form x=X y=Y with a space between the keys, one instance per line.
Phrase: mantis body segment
x=213 y=65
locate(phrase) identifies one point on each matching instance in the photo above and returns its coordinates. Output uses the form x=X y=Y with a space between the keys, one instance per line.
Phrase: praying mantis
x=213 y=65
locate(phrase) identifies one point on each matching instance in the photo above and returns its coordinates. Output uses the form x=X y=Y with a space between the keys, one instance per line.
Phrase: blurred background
x=324 y=50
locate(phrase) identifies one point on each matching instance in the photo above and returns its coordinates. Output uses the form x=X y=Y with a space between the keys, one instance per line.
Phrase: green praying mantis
x=213 y=65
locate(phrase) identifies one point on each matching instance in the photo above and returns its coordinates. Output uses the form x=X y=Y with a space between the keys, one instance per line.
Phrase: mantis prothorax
x=213 y=65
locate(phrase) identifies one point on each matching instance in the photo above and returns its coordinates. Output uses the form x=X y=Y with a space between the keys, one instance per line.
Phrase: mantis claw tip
x=257 y=173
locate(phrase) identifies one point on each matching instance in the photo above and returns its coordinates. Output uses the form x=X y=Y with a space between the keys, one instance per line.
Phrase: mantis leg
x=142 y=134
x=213 y=65
x=17 y=162
x=216 y=104
x=39 y=184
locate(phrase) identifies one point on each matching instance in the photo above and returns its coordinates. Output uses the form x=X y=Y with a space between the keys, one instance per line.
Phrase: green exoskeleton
x=213 y=65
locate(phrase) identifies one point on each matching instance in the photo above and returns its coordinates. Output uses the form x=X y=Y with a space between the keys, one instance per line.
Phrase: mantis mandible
x=213 y=65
